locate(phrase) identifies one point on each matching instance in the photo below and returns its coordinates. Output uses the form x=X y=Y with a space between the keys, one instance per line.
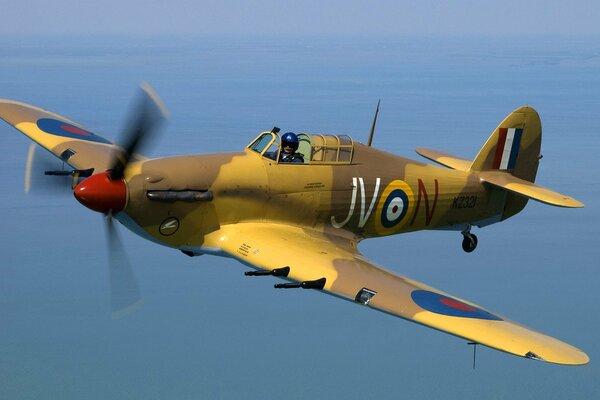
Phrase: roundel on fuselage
x=394 y=208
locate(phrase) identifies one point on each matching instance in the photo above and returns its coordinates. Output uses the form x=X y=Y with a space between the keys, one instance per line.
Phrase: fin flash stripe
x=507 y=150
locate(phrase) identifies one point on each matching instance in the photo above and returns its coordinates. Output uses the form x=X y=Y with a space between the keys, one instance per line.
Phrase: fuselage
x=377 y=194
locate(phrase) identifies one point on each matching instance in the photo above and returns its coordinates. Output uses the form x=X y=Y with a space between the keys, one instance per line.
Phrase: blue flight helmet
x=290 y=138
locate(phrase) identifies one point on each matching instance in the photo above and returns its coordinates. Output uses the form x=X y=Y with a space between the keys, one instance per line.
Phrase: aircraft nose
x=100 y=193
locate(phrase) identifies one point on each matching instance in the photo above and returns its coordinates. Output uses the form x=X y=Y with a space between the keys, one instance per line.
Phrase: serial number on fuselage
x=464 y=202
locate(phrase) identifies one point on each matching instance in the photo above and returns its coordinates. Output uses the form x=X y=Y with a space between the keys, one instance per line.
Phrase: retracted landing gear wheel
x=469 y=242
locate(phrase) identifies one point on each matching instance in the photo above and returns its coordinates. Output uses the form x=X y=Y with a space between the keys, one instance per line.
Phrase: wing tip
x=575 y=357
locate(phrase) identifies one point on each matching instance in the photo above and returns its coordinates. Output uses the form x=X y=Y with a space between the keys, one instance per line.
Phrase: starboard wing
x=67 y=140
x=312 y=255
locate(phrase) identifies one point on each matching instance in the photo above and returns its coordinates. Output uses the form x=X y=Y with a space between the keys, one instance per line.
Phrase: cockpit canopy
x=315 y=148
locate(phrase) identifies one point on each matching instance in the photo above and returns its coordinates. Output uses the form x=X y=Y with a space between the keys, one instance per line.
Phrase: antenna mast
x=374 y=122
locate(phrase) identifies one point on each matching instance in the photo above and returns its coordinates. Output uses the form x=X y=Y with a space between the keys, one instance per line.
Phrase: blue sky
x=300 y=17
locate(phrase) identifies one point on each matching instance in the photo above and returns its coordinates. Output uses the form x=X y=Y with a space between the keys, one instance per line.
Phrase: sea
x=205 y=330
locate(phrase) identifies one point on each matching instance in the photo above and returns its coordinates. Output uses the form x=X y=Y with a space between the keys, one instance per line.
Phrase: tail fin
x=514 y=146
x=509 y=160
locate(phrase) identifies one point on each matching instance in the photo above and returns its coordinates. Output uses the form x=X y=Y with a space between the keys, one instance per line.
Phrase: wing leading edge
x=352 y=277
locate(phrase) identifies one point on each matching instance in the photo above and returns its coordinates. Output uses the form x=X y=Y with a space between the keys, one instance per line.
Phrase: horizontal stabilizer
x=530 y=190
x=445 y=159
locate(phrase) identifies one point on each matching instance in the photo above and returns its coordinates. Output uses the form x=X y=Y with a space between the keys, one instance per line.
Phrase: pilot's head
x=289 y=142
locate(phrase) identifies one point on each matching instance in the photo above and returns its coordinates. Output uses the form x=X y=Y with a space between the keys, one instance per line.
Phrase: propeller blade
x=124 y=292
x=148 y=114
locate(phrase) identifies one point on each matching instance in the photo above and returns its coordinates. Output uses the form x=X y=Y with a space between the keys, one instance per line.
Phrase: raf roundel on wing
x=62 y=128
x=444 y=305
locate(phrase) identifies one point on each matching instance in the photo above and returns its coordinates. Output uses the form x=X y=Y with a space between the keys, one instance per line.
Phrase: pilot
x=289 y=145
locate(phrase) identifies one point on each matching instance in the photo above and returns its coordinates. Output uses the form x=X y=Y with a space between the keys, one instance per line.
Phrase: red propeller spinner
x=101 y=193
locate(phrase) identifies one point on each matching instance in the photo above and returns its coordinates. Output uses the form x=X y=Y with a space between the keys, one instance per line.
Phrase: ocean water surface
x=205 y=330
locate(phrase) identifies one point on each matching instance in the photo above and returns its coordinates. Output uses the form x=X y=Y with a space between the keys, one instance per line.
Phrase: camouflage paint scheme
x=323 y=208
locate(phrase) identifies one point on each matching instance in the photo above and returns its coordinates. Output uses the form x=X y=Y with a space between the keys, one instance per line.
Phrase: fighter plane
x=301 y=222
